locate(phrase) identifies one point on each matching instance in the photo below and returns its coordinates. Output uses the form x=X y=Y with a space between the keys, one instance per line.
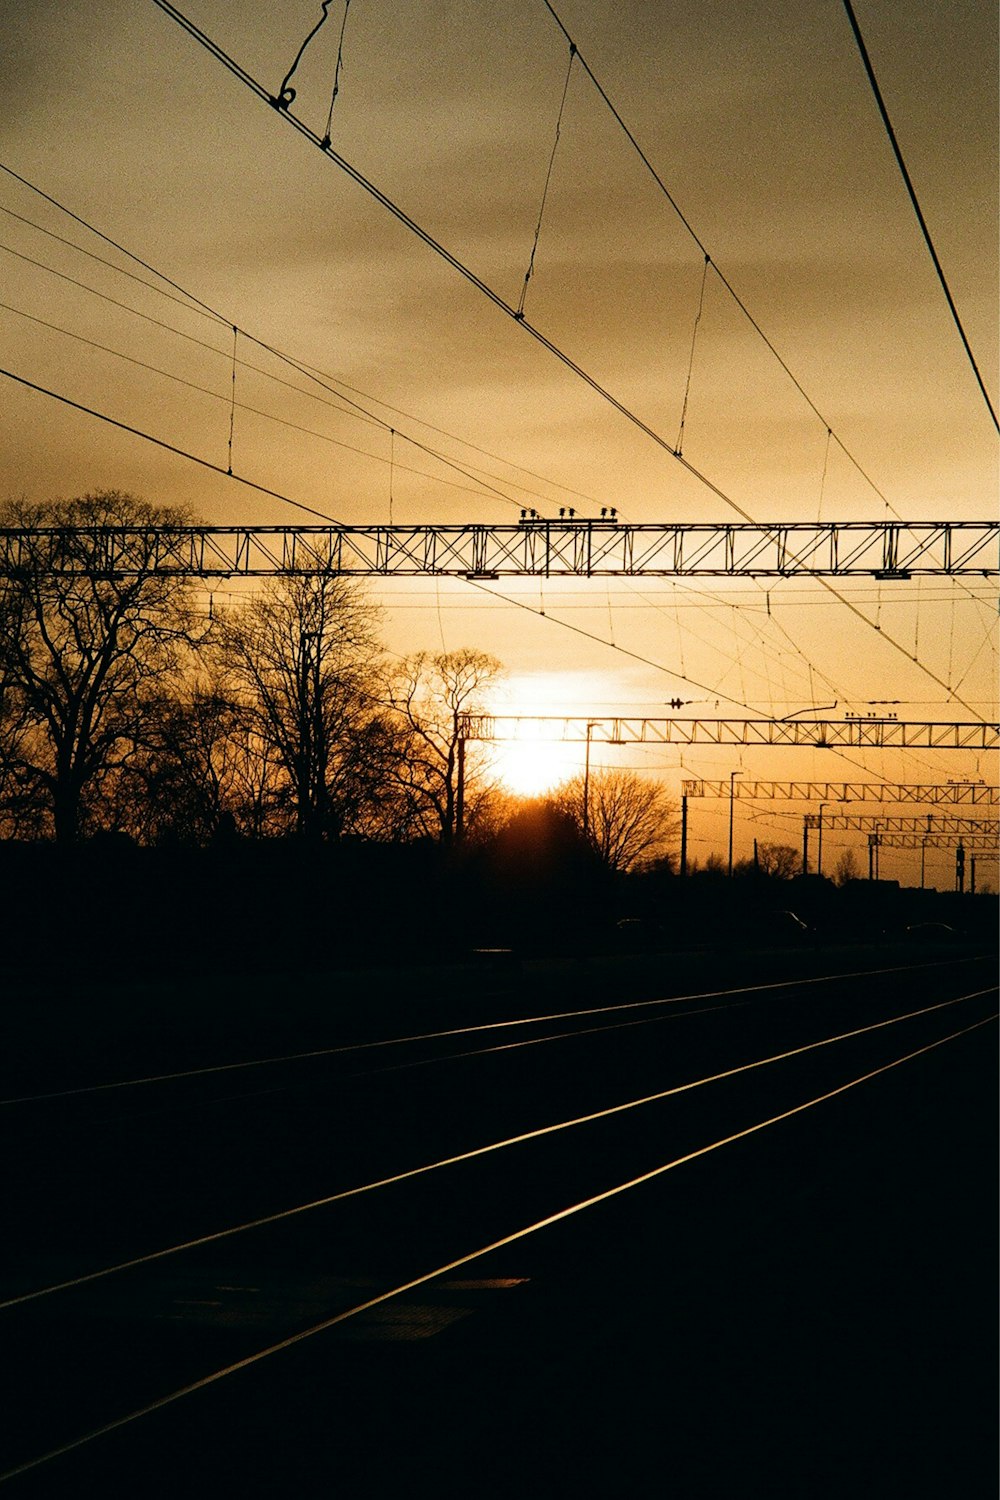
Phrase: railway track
x=170 y=1232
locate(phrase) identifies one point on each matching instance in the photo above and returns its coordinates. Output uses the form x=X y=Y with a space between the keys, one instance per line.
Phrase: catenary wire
x=299 y=505
x=737 y=299
x=247 y=79
x=192 y=304
x=877 y=93
x=482 y=487
x=347 y=407
x=314 y=375
x=324 y=380
x=148 y=437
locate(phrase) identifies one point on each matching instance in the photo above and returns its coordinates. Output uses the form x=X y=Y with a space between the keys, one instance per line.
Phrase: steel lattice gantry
x=946 y=794
x=529 y=548
x=975 y=843
x=857 y=733
x=914 y=825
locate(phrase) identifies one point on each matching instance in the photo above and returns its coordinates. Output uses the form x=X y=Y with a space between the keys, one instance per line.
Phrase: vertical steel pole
x=819 y=842
x=732 y=781
x=684 y=835
x=586 y=785
x=460 y=791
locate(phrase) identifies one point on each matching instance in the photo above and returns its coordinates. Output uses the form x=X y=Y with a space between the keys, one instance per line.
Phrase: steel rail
x=425 y=1278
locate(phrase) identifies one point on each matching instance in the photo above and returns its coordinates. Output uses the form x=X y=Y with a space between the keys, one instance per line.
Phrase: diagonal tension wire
x=446 y=255
x=329 y=383
x=424 y=235
x=481 y=486
x=336 y=74
x=694 y=341
x=601 y=640
x=548 y=179
x=316 y=377
x=189 y=299
x=658 y=180
x=148 y=437
x=737 y=299
x=876 y=91
x=232 y=403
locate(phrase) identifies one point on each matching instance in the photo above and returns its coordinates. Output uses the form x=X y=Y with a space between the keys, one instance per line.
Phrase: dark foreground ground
x=807 y=1312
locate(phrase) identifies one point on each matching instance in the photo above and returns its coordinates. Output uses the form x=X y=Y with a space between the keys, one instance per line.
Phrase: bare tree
x=187 y=776
x=427 y=697
x=84 y=650
x=780 y=861
x=298 y=660
x=628 y=820
x=846 y=868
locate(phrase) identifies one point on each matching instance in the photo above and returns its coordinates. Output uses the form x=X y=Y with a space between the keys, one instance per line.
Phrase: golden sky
x=759 y=120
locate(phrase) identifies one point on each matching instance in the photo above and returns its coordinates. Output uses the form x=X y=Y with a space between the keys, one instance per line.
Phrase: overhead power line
x=277 y=103
x=709 y=259
x=321 y=378
x=873 y=81
x=280 y=105
x=149 y=437
x=347 y=405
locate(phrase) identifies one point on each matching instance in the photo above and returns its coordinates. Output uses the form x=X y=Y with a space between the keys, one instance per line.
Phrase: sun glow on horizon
x=534 y=767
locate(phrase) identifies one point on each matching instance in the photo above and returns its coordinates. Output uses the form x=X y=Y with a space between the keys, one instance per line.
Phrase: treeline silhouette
x=184 y=784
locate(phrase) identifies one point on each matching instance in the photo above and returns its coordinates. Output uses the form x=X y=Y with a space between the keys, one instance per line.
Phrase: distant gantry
x=857 y=732
x=914 y=825
x=931 y=794
x=532 y=547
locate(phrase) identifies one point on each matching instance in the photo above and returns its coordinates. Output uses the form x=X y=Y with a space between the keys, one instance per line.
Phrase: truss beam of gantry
x=577 y=548
x=971 y=843
x=988 y=828
x=856 y=733
x=928 y=794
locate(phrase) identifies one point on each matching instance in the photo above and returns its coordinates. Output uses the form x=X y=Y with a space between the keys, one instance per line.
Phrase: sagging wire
x=694 y=339
x=498 y=301
x=336 y=74
x=232 y=405
x=392 y=466
x=891 y=134
x=548 y=179
x=822 y=480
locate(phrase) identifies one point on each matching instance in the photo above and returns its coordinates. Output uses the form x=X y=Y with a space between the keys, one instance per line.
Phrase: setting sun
x=530 y=768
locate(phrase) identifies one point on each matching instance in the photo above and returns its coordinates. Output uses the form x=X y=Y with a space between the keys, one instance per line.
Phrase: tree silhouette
x=298 y=661
x=628 y=819
x=84 y=651
x=780 y=861
x=847 y=867
x=427 y=696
